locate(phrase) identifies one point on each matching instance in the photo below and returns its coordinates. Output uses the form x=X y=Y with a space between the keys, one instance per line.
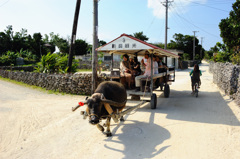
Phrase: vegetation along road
x=38 y=125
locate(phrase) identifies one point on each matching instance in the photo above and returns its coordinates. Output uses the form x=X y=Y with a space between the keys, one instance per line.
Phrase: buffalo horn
x=76 y=107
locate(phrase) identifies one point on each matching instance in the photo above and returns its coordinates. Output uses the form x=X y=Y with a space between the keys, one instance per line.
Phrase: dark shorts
x=195 y=81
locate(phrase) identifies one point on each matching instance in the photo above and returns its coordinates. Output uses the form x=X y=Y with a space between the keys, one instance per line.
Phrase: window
x=113 y=45
x=126 y=45
x=120 y=46
x=134 y=45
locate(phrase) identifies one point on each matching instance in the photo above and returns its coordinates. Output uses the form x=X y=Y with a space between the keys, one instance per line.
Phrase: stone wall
x=226 y=76
x=75 y=84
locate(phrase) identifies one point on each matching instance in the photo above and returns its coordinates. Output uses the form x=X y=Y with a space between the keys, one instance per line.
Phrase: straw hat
x=131 y=57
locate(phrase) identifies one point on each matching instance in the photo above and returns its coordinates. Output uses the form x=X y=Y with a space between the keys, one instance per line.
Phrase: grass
x=33 y=87
x=84 y=70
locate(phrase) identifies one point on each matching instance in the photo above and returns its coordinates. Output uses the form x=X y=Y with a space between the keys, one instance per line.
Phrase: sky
x=117 y=17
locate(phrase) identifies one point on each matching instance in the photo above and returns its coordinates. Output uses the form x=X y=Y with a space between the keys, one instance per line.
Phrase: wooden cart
x=126 y=44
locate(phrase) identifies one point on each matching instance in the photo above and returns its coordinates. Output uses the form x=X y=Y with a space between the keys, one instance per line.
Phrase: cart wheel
x=196 y=93
x=153 y=101
x=196 y=90
x=166 y=91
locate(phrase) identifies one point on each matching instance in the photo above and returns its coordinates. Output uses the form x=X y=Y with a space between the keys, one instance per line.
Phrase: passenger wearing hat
x=131 y=62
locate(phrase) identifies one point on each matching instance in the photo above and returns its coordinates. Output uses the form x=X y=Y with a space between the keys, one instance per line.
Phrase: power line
x=196 y=26
x=209 y=6
x=175 y=9
x=4 y=3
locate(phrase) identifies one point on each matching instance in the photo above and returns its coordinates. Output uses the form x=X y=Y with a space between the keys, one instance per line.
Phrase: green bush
x=4 y=60
x=7 y=59
x=186 y=56
x=55 y=63
x=197 y=57
x=206 y=56
x=222 y=57
x=236 y=59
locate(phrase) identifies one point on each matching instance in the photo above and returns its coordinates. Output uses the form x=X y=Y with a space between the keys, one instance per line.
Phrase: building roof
x=127 y=44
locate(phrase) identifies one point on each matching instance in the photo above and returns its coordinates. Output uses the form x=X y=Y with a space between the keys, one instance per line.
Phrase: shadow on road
x=140 y=139
x=209 y=107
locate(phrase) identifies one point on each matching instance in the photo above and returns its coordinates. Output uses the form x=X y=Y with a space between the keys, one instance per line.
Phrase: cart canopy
x=127 y=44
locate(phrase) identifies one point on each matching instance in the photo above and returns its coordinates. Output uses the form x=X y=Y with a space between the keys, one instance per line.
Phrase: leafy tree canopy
x=185 y=43
x=230 y=27
x=141 y=36
x=81 y=47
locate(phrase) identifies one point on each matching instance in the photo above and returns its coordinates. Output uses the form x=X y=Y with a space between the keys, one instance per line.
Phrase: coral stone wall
x=75 y=84
x=226 y=76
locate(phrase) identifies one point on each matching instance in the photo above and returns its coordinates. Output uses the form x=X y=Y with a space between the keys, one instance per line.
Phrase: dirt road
x=37 y=125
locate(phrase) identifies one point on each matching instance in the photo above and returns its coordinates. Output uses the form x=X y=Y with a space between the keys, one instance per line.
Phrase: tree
x=102 y=42
x=37 y=44
x=141 y=36
x=185 y=43
x=62 y=44
x=20 y=41
x=6 y=40
x=230 y=27
x=161 y=45
x=81 y=47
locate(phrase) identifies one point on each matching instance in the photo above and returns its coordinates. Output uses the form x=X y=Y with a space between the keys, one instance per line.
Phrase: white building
x=127 y=44
x=174 y=61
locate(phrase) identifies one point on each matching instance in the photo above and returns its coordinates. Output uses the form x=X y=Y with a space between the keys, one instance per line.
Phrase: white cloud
x=159 y=9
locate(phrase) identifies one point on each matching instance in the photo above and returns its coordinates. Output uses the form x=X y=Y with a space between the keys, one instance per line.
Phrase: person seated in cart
x=136 y=67
x=195 y=76
x=155 y=65
x=147 y=72
x=125 y=70
x=162 y=67
x=131 y=62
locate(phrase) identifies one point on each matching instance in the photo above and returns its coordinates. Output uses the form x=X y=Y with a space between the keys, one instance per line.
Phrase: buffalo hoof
x=108 y=134
x=122 y=119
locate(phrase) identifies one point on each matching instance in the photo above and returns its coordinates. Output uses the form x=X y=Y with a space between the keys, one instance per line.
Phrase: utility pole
x=202 y=48
x=74 y=32
x=194 y=45
x=95 y=45
x=166 y=4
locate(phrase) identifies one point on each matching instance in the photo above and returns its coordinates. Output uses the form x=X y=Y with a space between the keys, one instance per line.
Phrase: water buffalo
x=107 y=93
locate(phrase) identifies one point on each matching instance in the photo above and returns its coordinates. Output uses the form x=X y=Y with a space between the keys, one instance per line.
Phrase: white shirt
x=148 y=68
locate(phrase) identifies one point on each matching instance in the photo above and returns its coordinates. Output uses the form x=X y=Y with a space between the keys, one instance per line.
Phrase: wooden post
x=111 y=61
x=152 y=69
x=95 y=45
x=74 y=32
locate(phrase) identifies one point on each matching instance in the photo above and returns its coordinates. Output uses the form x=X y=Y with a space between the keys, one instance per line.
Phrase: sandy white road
x=37 y=125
